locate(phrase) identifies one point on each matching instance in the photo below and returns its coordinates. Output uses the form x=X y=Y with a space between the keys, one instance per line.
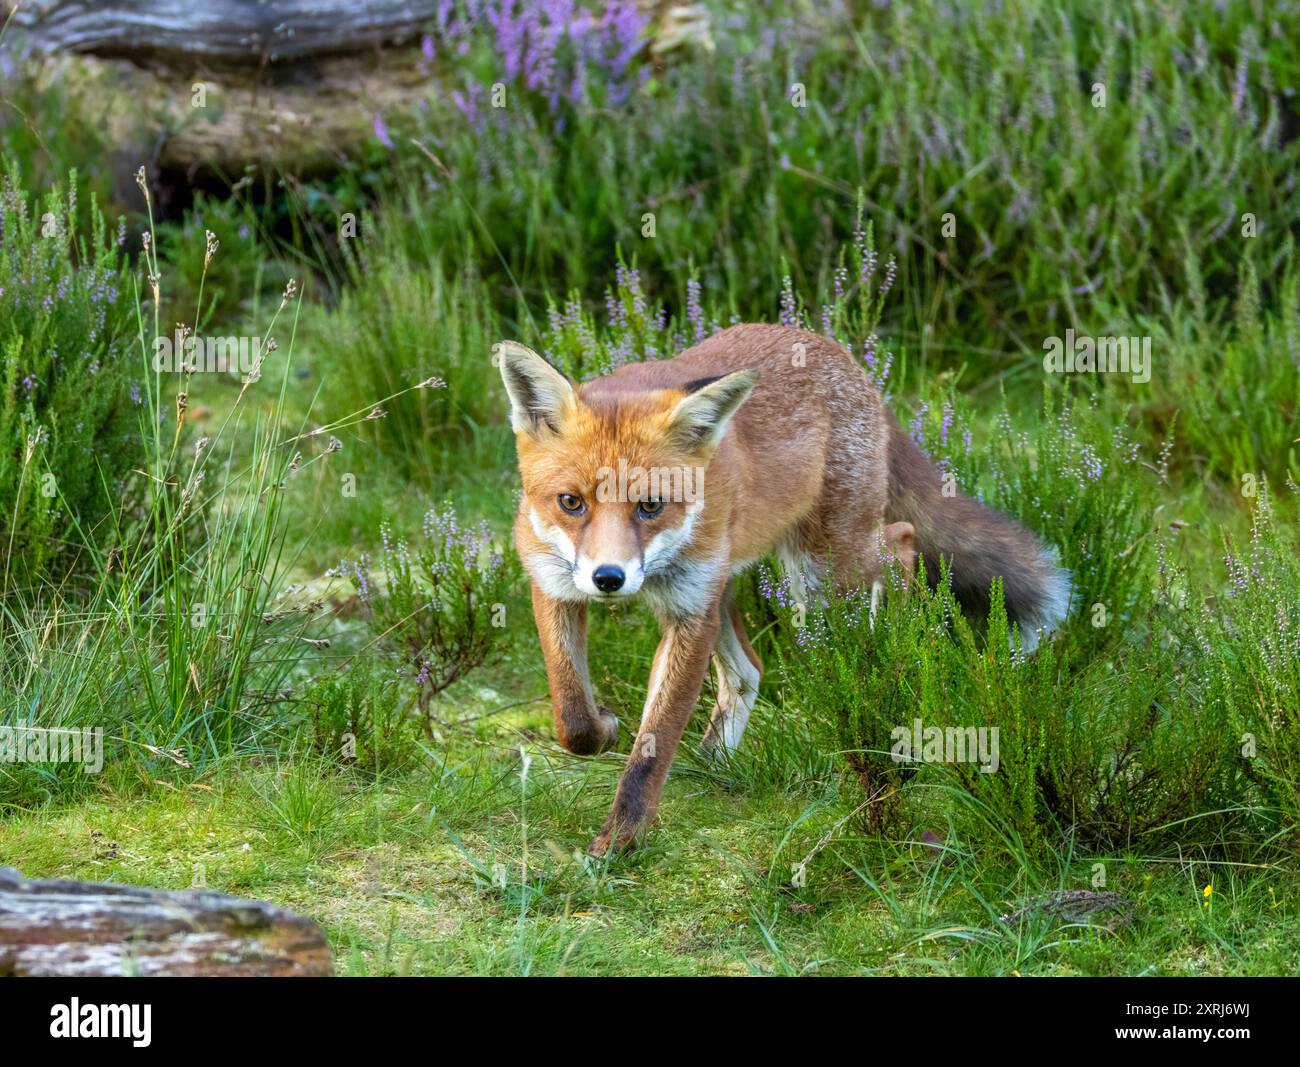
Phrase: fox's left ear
x=540 y=396
x=700 y=418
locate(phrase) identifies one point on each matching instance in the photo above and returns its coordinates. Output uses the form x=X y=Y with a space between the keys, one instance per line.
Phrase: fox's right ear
x=540 y=396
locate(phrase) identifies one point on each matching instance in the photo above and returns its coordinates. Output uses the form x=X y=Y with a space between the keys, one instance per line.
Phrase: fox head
x=613 y=485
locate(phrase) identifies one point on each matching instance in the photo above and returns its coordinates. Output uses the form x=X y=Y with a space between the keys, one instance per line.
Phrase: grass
x=424 y=874
x=276 y=730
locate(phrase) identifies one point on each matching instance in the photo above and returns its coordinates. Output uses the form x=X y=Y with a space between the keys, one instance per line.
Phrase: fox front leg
x=676 y=677
x=581 y=726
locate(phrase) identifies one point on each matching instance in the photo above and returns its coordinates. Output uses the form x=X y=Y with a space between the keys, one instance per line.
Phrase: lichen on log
x=93 y=929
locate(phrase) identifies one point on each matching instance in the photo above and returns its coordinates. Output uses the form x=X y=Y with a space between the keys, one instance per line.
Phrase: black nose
x=608 y=579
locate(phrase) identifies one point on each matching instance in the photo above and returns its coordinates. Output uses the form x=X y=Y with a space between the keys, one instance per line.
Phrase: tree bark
x=93 y=929
x=245 y=33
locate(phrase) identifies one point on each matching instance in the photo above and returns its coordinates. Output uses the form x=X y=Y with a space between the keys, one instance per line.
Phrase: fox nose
x=608 y=579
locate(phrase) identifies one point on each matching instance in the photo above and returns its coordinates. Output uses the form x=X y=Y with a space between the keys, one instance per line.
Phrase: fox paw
x=621 y=830
x=608 y=723
x=589 y=736
x=608 y=842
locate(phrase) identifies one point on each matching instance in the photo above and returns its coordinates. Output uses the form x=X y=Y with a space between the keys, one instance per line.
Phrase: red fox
x=666 y=479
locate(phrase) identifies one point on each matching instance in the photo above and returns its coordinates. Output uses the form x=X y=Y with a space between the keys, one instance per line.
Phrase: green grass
x=425 y=874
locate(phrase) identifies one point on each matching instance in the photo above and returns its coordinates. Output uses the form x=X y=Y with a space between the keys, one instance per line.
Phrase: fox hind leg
x=894 y=543
x=860 y=562
x=738 y=671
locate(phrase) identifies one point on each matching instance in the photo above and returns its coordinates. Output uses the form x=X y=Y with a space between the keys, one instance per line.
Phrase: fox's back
x=810 y=391
x=814 y=426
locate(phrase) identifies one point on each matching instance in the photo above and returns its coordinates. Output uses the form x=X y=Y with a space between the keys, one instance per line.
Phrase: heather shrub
x=436 y=603
x=1103 y=751
x=69 y=429
x=749 y=185
x=583 y=347
x=1075 y=476
x=359 y=717
x=1125 y=726
x=1246 y=655
x=182 y=649
x=633 y=328
x=1232 y=387
x=559 y=56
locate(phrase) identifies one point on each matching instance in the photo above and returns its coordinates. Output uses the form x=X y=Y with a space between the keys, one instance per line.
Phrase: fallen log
x=235 y=85
x=236 y=33
x=230 y=84
x=94 y=929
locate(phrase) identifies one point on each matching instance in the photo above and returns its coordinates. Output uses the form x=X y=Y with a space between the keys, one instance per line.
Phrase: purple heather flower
x=468 y=105
x=381 y=131
x=916 y=431
x=1240 y=81
x=694 y=312
x=773 y=589
x=869 y=351
x=789 y=303
x=891 y=272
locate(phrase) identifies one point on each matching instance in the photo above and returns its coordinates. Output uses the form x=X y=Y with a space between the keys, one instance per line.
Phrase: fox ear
x=700 y=418
x=540 y=396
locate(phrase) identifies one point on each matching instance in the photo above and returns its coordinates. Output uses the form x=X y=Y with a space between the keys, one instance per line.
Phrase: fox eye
x=648 y=509
x=572 y=503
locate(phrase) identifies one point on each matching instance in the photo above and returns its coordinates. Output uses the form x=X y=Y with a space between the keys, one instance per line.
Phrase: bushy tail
x=980 y=543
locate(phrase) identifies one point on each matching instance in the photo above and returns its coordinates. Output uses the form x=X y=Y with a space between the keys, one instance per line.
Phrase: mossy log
x=94 y=929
